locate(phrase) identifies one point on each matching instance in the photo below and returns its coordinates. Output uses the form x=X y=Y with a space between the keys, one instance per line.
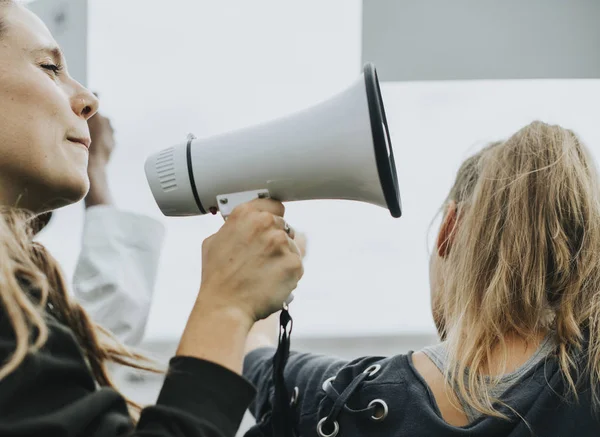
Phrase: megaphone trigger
x=228 y=202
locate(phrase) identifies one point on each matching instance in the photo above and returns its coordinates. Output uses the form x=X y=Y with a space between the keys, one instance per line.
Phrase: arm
x=249 y=269
x=303 y=370
x=221 y=331
x=99 y=193
x=52 y=393
x=103 y=145
x=263 y=333
x=116 y=271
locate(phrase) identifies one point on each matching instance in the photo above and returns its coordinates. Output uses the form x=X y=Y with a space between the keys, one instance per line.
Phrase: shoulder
x=377 y=370
x=365 y=391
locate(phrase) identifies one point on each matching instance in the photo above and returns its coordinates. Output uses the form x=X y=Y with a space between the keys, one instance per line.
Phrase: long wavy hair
x=32 y=287
x=524 y=259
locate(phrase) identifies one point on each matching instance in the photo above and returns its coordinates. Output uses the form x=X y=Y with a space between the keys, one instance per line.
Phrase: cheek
x=32 y=105
x=34 y=145
x=35 y=113
x=35 y=117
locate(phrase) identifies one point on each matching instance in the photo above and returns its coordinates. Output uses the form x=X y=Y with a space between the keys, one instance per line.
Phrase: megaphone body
x=338 y=149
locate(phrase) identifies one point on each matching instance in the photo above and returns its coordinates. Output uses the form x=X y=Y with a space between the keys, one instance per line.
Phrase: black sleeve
x=198 y=398
x=53 y=393
x=303 y=370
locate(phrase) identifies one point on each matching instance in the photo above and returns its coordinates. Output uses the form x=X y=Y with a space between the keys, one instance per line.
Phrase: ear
x=447 y=230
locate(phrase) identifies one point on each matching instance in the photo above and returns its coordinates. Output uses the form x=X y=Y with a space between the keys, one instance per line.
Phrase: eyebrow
x=55 y=52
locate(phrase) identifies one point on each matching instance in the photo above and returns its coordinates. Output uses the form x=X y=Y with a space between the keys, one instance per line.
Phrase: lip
x=84 y=141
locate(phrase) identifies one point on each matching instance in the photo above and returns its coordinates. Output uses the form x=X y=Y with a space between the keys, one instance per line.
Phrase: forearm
x=217 y=334
x=99 y=193
x=264 y=333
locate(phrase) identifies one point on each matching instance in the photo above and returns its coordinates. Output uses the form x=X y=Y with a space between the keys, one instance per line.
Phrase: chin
x=64 y=194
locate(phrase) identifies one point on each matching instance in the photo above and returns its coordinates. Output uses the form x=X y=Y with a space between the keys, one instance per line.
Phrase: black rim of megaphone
x=384 y=153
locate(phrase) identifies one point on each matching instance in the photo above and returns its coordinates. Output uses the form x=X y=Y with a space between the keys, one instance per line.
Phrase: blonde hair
x=524 y=259
x=32 y=287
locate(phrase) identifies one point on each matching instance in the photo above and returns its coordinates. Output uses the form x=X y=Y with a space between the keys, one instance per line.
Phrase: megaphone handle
x=228 y=202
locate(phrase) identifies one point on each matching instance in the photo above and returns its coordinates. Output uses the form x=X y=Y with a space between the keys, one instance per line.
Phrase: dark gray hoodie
x=346 y=395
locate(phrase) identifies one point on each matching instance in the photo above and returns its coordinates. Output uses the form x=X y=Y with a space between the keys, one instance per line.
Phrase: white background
x=164 y=69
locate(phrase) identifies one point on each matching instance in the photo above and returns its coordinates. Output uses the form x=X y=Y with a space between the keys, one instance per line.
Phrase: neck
x=22 y=197
x=518 y=351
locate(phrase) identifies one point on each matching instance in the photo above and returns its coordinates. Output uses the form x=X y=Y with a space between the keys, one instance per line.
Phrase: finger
x=269 y=205
x=294 y=247
x=280 y=223
x=301 y=242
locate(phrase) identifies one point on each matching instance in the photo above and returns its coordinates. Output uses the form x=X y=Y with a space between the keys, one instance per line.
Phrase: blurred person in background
x=115 y=274
x=515 y=288
x=53 y=379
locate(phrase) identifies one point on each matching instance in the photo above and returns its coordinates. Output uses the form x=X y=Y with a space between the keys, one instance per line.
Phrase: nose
x=84 y=103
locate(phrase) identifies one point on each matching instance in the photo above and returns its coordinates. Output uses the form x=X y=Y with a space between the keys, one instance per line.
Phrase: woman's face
x=44 y=136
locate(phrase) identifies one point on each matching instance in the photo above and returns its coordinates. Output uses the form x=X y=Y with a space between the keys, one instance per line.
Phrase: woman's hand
x=265 y=332
x=249 y=268
x=252 y=263
x=101 y=149
x=102 y=134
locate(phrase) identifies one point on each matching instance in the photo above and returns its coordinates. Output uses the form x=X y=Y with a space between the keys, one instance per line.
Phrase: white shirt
x=115 y=274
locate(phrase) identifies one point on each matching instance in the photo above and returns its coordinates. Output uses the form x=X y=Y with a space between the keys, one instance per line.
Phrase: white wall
x=492 y=39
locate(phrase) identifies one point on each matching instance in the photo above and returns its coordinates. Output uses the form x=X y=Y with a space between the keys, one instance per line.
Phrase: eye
x=55 y=69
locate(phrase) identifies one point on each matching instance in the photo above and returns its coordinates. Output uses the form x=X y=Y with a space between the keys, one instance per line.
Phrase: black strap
x=283 y=420
x=280 y=421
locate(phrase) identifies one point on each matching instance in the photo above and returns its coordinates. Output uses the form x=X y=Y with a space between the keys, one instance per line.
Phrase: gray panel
x=482 y=39
x=68 y=22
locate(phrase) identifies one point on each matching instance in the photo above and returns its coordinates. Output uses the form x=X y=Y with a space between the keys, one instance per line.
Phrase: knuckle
x=206 y=244
x=208 y=240
x=264 y=220
x=278 y=239
x=295 y=266
x=240 y=211
x=300 y=273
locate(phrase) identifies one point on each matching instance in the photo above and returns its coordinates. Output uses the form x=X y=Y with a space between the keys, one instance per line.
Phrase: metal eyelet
x=327 y=382
x=379 y=403
x=295 y=397
x=372 y=370
x=336 y=428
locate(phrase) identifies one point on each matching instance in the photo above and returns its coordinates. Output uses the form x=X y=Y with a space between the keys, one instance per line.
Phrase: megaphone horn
x=337 y=149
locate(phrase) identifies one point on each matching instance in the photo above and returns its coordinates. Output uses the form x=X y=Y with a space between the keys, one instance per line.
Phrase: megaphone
x=337 y=149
